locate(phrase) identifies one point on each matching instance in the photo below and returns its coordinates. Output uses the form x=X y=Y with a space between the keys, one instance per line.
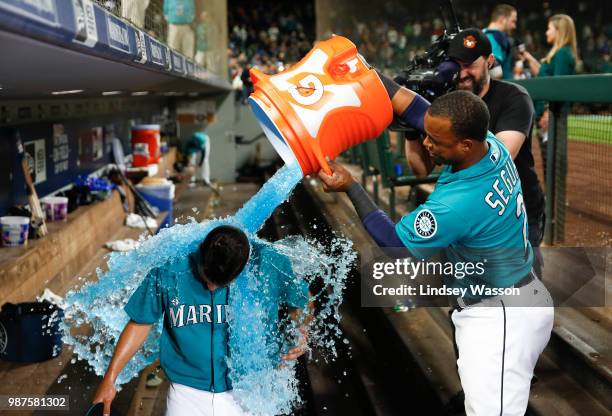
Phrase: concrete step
x=582 y=347
x=556 y=393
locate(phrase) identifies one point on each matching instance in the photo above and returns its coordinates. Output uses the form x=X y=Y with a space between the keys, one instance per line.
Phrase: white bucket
x=14 y=231
x=161 y=191
x=56 y=207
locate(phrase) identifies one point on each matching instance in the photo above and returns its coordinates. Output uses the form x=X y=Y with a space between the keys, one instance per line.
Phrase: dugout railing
x=577 y=157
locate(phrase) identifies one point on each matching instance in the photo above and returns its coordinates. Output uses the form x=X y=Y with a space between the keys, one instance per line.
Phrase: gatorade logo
x=3 y=339
x=425 y=224
x=314 y=93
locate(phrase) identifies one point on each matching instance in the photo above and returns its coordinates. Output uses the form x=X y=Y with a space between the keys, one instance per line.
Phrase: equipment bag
x=30 y=331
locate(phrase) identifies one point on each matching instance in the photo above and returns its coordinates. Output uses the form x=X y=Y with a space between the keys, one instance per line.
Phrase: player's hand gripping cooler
x=328 y=102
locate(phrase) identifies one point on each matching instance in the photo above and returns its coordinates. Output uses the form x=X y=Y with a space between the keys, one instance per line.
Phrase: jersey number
x=520 y=210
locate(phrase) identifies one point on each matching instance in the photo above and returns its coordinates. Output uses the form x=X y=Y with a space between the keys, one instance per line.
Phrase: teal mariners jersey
x=501 y=50
x=179 y=12
x=197 y=143
x=194 y=341
x=475 y=215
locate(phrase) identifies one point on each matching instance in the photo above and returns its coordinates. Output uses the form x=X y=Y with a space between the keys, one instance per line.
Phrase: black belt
x=461 y=303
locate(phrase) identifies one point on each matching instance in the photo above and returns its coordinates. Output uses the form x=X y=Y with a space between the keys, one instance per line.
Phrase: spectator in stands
x=270 y=36
x=180 y=15
x=560 y=60
x=237 y=86
x=605 y=67
x=202 y=32
x=501 y=26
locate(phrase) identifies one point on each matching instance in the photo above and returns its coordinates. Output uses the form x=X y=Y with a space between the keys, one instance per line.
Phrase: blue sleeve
x=429 y=228
x=382 y=229
x=145 y=305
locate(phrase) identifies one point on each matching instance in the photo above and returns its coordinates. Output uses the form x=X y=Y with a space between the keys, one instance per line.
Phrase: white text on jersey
x=498 y=198
x=196 y=314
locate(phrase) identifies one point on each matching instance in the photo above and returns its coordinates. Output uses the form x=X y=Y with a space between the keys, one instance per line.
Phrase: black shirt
x=511 y=108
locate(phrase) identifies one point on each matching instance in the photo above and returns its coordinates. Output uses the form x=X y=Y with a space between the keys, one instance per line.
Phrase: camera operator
x=512 y=117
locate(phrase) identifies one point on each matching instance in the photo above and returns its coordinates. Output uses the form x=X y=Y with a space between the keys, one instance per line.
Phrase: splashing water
x=95 y=316
x=258 y=384
x=256 y=210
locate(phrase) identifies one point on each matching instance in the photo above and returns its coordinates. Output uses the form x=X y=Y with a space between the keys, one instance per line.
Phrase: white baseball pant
x=202 y=172
x=186 y=401
x=499 y=346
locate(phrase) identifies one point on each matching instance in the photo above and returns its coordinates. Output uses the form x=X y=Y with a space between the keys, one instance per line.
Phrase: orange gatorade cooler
x=145 y=144
x=328 y=102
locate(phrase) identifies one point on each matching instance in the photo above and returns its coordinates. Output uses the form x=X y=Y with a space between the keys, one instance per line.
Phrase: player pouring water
x=476 y=213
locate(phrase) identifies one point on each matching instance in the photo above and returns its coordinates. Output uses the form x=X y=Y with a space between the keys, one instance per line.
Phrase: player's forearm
x=361 y=200
x=407 y=104
x=130 y=341
x=378 y=224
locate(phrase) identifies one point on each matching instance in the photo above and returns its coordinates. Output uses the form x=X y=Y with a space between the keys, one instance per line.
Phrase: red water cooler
x=145 y=144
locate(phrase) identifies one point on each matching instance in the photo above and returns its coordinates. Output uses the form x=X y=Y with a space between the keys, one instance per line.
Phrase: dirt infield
x=588 y=215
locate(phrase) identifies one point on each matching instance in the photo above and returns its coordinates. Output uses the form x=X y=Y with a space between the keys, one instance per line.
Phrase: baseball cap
x=468 y=45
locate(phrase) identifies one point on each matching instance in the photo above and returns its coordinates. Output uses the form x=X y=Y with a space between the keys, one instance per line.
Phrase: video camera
x=432 y=73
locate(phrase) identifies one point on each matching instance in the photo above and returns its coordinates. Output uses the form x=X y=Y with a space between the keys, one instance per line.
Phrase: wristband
x=415 y=113
x=391 y=86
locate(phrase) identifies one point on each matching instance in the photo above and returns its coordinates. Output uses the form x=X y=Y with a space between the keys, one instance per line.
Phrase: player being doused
x=192 y=297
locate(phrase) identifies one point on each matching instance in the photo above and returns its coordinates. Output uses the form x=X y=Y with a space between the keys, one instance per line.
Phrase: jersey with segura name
x=475 y=215
x=194 y=340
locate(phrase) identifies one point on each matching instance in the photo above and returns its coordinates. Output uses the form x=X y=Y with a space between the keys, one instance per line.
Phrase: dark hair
x=468 y=114
x=502 y=10
x=223 y=254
